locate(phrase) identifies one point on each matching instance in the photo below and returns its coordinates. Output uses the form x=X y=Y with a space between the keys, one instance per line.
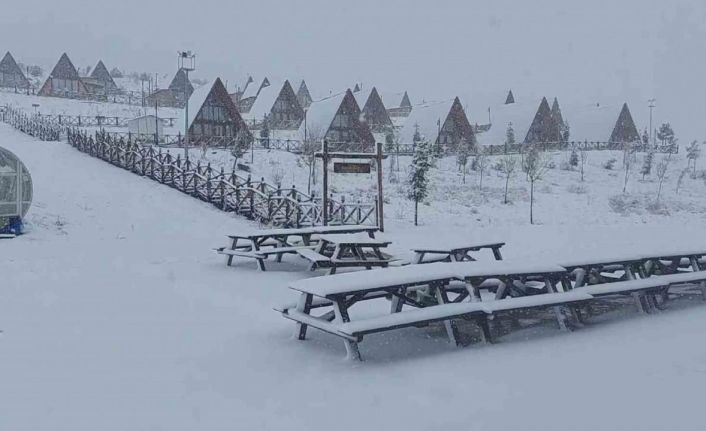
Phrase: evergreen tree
x=509 y=136
x=647 y=164
x=574 y=158
x=665 y=134
x=419 y=175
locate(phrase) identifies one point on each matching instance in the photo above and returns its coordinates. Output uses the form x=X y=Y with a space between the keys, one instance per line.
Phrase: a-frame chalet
x=11 y=76
x=63 y=81
x=212 y=113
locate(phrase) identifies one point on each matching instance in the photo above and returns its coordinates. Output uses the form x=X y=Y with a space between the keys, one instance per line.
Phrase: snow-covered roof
x=591 y=122
x=427 y=116
x=264 y=101
x=391 y=99
x=321 y=112
x=520 y=114
x=253 y=88
x=196 y=101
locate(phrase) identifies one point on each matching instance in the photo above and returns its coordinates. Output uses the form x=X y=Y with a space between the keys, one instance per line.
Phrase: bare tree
x=240 y=146
x=583 y=157
x=629 y=159
x=535 y=165
x=307 y=152
x=482 y=162
x=508 y=164
x=662 y=168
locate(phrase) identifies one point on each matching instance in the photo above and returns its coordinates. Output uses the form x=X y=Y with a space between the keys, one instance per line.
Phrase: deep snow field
x=116 y=315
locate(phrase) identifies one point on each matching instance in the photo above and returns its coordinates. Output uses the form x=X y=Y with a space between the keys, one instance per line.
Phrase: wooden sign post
x=378 y=156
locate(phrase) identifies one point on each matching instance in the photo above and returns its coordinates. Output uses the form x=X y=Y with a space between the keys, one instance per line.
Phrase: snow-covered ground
x=561 y=198
x=116 y=315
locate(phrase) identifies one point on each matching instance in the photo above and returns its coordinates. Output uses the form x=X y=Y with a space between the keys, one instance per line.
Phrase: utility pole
x=651 y=106
x=187 y=63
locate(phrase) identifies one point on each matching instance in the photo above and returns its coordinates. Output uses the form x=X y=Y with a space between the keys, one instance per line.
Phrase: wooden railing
x=32 y=125
x=231 y=192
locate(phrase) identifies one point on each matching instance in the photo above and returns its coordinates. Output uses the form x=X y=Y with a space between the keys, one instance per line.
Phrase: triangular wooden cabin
x=276 y=104
x=398 y=108
x=603 y=123
x=374 y=112
x=11 y=76
x=304 y=96
x=544 y=128
x=101 y=75
x=63 y=81
x=510 y=98
x=444 y=123
x=559 y=120
x=181 y=85
x=337 y=119
x=213 y=113
x=250 y=94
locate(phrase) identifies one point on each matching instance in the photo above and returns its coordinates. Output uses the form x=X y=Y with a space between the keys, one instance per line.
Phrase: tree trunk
x=531 y=202
x=416 y=204
x=507 y=181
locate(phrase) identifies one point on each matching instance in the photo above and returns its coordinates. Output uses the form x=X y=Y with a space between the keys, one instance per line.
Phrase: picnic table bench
x=340 y=292
x=334 y=251
x=259 y=245
x=455 y=253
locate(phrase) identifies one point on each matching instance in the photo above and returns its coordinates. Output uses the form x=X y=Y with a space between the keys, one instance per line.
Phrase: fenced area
x=32 y=125
x=256 y=200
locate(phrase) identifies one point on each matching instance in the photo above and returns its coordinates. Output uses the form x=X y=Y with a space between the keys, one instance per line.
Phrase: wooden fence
x=31 y=125
x=256 y=200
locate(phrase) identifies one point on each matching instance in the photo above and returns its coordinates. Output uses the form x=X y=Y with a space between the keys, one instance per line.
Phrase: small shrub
x=578 y=189
x=610 y=164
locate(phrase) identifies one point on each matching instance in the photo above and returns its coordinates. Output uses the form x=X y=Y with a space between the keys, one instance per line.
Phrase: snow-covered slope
x=116 y=315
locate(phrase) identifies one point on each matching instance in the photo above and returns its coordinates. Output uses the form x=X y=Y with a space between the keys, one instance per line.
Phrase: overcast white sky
x=580 y=51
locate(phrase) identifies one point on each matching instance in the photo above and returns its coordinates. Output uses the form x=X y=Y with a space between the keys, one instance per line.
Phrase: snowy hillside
x=115 y=313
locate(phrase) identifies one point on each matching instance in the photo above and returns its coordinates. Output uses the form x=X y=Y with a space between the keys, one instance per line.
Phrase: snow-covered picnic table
x=259 y=244
x=335 y=251
x=338 y=293
x=455 y=252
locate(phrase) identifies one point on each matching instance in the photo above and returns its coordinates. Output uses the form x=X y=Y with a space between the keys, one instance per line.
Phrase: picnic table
x=259 y=244
x=338 y=293
x=455 y=253
x=335 y=251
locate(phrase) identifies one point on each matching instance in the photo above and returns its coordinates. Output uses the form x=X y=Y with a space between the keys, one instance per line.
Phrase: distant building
x=544 y=128
x=398 y=105
x=443 y=123
x=146 y=127
x=164 y=98
x=248 y=96
x=212 y=113
x=64 y=81
x=337 y=119
x=304 y=96
x=375 y=115
x=510 y=99
x=603 y=123
x=181 y=87
x=11 y=76
x=101 y=79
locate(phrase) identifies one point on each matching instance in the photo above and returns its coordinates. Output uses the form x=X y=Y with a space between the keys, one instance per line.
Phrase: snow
x=114 y=314
x=321 y=112
x=520 y=114
x=196 y=101
x=264 y=102
x=592 y=122
x=427 y=117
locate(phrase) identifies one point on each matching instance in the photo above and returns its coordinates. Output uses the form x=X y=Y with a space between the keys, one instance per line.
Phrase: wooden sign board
x=351 y=168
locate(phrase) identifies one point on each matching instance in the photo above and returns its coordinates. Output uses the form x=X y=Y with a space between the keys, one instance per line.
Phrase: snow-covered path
x=116 y=315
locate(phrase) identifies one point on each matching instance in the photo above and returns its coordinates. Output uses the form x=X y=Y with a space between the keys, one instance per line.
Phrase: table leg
x=232 y=247
x=352 y=351
x=260 y=262
x=396 y=303
x=473 y=292
x=450 y=325
x=418 y=258
x=496 y=253
x=303 y=306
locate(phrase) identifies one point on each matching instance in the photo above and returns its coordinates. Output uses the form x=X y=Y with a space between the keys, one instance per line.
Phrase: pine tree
x=418 y=177
x=665 y=134
x=509 y=137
